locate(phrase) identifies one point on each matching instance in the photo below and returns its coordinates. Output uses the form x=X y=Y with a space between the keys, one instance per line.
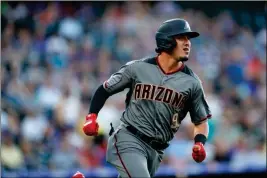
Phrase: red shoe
x=78 y=175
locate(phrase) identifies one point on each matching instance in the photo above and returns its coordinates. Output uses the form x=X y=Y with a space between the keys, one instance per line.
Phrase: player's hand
x=90 y=126
x=198 y=152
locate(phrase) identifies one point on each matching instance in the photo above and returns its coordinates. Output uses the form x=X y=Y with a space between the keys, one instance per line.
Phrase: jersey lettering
x=137 y=91
x=159 y=90
x=177 y=99
x=152 y=92
x=146 y=91
x=167 y=96
x=159 y=93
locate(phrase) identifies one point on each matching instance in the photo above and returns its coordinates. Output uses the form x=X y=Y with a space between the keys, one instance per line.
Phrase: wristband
x=200 y=138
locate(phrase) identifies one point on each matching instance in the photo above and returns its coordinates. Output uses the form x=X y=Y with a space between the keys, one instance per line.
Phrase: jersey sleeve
x=199 y=109
x=120 y=79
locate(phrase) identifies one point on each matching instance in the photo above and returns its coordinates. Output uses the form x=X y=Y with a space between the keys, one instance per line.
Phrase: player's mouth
x=186 y=49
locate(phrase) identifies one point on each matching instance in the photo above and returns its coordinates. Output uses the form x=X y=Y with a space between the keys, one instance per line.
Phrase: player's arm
x=200 y=113
x=115 y=84
x=202 y=129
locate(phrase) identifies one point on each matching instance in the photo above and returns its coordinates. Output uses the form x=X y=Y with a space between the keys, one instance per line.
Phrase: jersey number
x=175 y=122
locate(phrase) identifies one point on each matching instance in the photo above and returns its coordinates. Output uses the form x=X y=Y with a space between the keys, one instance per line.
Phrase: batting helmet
x=170 y=28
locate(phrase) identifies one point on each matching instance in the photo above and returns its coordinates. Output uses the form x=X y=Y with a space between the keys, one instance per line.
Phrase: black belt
x=155 y=144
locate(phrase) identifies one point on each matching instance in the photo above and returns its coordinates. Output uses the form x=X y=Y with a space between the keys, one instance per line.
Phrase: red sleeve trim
x=105 y=84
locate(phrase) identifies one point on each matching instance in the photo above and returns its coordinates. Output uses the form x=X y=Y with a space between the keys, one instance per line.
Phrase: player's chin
x=183 y=59
x=186 y=54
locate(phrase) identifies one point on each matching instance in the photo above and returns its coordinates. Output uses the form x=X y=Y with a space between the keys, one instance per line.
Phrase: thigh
x=132 y=165
x=154 y=162
x=126 y=153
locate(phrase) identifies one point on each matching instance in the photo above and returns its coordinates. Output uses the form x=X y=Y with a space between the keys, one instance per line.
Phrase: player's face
x=182 y=49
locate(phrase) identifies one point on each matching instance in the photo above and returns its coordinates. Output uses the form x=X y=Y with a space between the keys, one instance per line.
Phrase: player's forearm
x=202 y=128
x=201 y=132
x=98 y=100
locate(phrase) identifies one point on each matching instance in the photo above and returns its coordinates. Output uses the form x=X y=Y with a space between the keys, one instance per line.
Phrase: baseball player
x=162 y=90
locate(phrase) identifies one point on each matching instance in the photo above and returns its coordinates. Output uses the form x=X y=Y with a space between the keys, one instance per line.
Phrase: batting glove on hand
x=90 y=126
x=78 y=175
x=199 y=153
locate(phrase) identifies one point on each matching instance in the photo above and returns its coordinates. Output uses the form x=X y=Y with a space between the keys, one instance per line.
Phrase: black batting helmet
x=170 y=28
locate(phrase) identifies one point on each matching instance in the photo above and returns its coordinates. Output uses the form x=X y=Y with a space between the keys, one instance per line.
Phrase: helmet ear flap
x=164 y=43
x=172 y=43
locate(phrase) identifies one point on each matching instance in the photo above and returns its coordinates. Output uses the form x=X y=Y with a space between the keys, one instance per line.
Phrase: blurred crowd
x=54 y=55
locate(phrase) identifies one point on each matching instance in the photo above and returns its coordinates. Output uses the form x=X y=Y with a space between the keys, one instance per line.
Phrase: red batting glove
x=90 y=126
x=78 y=175
x=199 y=153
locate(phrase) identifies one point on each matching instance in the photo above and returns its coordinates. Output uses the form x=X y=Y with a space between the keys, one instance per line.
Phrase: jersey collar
x=168 y=73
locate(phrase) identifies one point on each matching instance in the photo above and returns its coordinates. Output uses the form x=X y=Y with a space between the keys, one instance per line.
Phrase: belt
x=155 y=144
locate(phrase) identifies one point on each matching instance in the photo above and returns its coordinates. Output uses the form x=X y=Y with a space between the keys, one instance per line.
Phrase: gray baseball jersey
x=157 y=102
